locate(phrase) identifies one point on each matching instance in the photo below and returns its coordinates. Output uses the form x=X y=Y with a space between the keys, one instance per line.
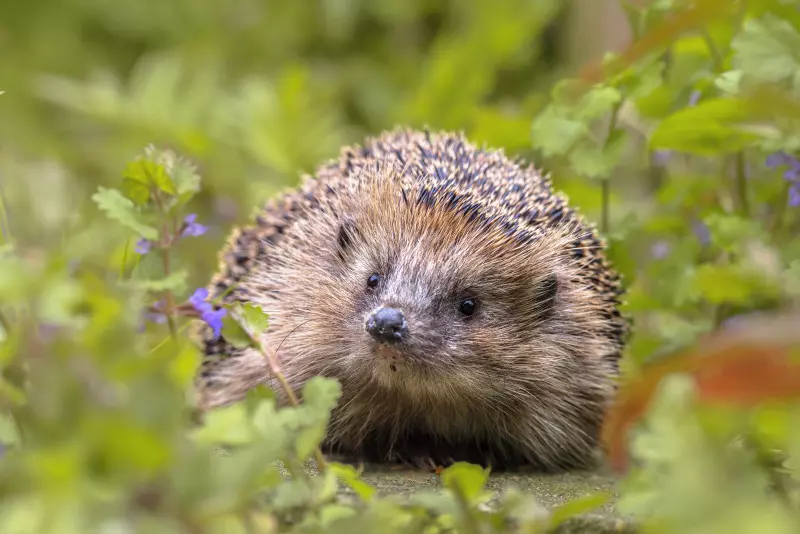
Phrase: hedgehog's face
x=428 y=300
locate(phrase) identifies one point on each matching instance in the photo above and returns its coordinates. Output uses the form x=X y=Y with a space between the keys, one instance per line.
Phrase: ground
x=551 y=491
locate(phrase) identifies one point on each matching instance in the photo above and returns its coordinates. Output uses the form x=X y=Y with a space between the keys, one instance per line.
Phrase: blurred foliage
x=684 y=147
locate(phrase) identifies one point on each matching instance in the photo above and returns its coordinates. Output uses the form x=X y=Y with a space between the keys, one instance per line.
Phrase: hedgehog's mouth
x=388 y=352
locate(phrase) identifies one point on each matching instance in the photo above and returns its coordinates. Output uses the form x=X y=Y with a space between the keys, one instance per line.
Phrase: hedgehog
x=466 y=310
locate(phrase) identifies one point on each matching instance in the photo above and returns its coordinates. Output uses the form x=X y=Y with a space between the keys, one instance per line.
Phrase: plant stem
x=713 y=50
x=5 y=229
x=780 y=210
x=5 y=324
x=741 y=184
x=469 y=524
x=168 y=296
x=605 y=184
x=276 y=370
x=605 y=192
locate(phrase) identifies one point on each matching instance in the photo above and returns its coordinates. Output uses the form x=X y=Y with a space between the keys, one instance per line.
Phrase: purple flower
x=192 y=228
x=207 y=313
x=694 y=97
x=777 y=159
x=660 y=249
x=792 y=174
x=143 y=246
x=794 y=195
x=157 y=316
x=661 y=157
x=701 y=231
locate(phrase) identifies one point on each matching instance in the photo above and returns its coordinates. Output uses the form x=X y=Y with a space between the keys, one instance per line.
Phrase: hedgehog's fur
x=524 y=381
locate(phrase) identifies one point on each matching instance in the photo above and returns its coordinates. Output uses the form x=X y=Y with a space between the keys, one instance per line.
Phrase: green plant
x=684 y=147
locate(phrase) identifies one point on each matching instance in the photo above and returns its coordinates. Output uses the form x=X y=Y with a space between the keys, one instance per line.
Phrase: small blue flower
x=694 y=97
x=777 y=159
x=660 y=249
x=702 y=232
x=207 y=313
x=794 y=195
x=143 y=246
x=661 y=157
x=191 y=228
x=792 y=174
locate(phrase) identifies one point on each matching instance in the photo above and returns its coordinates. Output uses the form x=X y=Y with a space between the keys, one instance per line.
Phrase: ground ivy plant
x=98 y=430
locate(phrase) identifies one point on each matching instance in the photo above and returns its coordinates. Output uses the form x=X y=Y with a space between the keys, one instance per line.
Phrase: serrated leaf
x=331 y=513
x=254 y=319
x=292 y=493
x=710 y=128
x=596 y=162
x=555 y=135
x=729 y=232
x=577 y=507
x=187 y=181
x=271 y=424
x=729 y=81
x=122 y=209
x=469 y=477
x=227 y=425
x=234 y=334
x=138 y=192
x=149 y=174
x=596 y=103
x=321 y=392
x=309 y=439
x=767 y=50
x=731 y=284
x=350 y=476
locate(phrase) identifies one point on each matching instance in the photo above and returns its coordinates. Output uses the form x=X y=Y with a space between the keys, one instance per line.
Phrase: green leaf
x=767 y=50
x=292 y=493
x=228 y=425
x=594 y=161
x=272 y=424
x=185 y=178
x=321 y=392
x=309 y=439
x=253 y=318
x=470 y=478
x=728 y=284
x=555 y=135
x=331 y=513
x=9 y=434
x=596 y=103
x=730 y=232
x=709 y=128
x=349 y=476
x=729 y=81
x=122 y=210
x=577 y=507
x=792 y=279
x=148 y=173
x=234 y=333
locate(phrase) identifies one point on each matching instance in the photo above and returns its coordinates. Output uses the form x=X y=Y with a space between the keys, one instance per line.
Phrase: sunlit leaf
x=123 y=211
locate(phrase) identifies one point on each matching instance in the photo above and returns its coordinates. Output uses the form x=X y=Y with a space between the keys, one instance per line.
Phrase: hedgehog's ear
x=345 y=237
x=544 y=295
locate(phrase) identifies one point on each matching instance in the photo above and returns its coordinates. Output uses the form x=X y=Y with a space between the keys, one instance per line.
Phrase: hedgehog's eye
x=468 y=306
x=373 y=280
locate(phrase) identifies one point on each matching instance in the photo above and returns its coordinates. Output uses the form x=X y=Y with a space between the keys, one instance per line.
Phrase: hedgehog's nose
x=387 y=325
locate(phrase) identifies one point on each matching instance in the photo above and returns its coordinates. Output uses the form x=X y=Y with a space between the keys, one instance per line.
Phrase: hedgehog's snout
x=387 y=325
